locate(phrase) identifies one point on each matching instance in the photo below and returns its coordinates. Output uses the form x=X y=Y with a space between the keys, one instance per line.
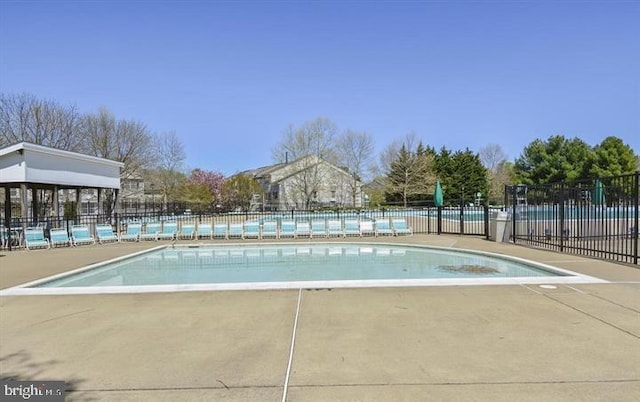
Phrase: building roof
x=37 y=164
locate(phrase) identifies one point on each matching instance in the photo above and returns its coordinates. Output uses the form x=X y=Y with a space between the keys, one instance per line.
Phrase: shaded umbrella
x=438 y=197
x=598 y=193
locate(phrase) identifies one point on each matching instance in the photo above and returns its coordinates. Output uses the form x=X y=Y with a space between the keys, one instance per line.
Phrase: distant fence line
x=432 y=220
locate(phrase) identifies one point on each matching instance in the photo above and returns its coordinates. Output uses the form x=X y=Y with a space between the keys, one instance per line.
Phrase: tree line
x=404 y=173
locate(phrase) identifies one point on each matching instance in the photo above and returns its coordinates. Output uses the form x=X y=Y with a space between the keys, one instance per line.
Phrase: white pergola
x=34 y=167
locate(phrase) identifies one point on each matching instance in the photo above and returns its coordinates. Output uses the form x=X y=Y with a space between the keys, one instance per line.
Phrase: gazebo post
x=55 y=202
x=7 y=214
x=34 y=205
x=24 y=215
x=78 y=201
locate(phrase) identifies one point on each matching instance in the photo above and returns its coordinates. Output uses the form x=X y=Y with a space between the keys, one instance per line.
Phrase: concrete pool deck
x=577 y=342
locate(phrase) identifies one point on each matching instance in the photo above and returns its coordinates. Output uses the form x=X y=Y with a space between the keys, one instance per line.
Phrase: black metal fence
x=471 y=220
x=597 y=218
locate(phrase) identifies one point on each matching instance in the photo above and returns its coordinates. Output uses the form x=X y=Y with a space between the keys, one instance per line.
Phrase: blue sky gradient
x=228 y=77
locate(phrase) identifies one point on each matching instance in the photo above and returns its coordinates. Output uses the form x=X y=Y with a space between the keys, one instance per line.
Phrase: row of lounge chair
x=34 y=237
x=80 y=234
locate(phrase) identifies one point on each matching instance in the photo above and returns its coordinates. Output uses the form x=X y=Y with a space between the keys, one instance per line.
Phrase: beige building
x=306 y=183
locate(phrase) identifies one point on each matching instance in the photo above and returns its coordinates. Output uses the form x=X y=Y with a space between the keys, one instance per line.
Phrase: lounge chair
x=220 y=231
x=287 y=229
x=383 y=227
x=270 y=229
x=252 y=230
x=151 y=231
x=400 y=227
x=105 y=233
x=187 y=230
x=351 y=227
x=303 y=229
x=34 y=238
x=132 y=233
x=169 y=231
x=235 y=231
x=59 y=237
x=204 y=231
x=318 y=228
x=334 y=228
x=80 y=235
x=366 y=228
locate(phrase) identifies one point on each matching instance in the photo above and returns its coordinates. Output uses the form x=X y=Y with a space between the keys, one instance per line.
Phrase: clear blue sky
x=229 y=77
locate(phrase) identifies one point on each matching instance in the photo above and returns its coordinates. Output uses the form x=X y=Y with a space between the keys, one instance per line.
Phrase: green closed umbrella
x=438 y=197
x=598 y=193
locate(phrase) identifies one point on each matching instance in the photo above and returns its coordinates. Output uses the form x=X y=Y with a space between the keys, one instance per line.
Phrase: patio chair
x=132 y=233
x=252 y=230
x=383 y=227
x=235 y=231
x=80 y=235
x=204 y=231
x=318 y=228
x=169 y=231
x=105 y=233
x=400 y=227
x=334 y=228
x=270 y=229
x=303 y=229
x=288 y=229
x=351 y=227
x=151 y=231
x=187 y=230
x=220 y=231
x=366 y=228
x=34 y=238
x=59 y=237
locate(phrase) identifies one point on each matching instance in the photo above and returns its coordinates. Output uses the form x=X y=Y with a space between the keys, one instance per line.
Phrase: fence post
x=636 y=198
x=462 y=211
x=561 y=216
x=486 y=221
x=514 y=202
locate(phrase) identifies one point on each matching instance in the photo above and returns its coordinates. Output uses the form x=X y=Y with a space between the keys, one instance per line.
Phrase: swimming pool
x=296 y=265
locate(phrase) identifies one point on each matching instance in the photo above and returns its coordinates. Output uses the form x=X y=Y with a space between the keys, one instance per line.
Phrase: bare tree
x=121 y=140
x=306 y=147
x=170 y=157
x=492 y=156
x=23 y=117
x=494 y=159
x=316 y=137
x=355 y=153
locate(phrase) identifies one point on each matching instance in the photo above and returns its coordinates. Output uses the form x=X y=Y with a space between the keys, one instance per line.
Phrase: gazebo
x=31 y=167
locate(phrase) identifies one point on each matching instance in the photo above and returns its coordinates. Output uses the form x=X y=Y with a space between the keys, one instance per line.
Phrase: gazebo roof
x=36 y=164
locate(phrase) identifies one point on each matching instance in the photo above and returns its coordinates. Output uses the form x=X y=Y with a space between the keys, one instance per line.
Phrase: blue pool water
x=295 y=263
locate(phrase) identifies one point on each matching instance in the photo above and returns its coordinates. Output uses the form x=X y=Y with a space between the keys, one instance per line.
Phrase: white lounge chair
x=187 y=230
x=34 y=238
x=251 y=230
x=132 y=233
x=106 y=234
x=236 y=231
x=351 y=227
x=270 y=229
x=204 y=231
x=400 y=227
x=169 y=231
x=59 y=237
x=318 y=228
x=80 y=235
x=366 y=228
x=383 y=227
x=334 y=228
x=303 y=229
x=287 y=229
x=151 y=231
